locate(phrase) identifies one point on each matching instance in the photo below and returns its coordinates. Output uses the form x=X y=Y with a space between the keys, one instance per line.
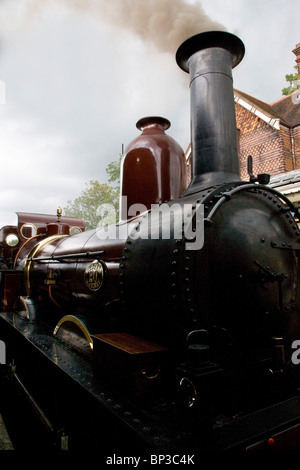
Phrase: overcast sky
x=76 y=76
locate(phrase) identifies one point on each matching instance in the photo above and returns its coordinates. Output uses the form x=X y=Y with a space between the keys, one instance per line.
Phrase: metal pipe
x=87 y=254
x=209 y=58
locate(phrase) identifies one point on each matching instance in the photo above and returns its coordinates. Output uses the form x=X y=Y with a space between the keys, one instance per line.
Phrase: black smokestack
x=209 y=58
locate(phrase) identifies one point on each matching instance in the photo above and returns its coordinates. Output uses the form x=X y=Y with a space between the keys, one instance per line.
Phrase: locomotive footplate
x=273 y=428
x=97 y=416
x=92 y=412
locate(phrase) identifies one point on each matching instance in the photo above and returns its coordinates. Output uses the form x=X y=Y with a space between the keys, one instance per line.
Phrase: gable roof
x=284 y=111
x=289 y=108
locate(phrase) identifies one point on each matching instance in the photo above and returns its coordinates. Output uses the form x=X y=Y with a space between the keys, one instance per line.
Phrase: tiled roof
x=285 y=178
x=287 y=109
x=287 y=183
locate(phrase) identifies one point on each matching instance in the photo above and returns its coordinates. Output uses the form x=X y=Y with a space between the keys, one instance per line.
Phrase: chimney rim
x=209 y=39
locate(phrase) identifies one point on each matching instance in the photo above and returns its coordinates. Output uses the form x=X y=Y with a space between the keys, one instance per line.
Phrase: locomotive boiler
x=186 y=311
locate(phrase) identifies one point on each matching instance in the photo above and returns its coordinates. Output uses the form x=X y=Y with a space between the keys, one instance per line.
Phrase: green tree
x=292 y=80
x=97 y=201
x=113 y=171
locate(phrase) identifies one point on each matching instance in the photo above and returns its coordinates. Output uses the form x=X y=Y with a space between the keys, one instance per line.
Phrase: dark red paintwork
x=153 y=168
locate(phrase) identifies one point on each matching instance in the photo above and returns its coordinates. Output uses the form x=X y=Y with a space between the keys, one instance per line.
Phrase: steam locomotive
x=176 y=328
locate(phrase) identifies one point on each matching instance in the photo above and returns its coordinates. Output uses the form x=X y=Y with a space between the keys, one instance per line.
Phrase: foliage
x=113 y=171
x=91 y=201
x=98 y=204
x=292 y=80
x=97 y=201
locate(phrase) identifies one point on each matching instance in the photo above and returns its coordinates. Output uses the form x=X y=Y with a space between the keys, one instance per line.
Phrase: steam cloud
x=165 y=23
x=162 y=23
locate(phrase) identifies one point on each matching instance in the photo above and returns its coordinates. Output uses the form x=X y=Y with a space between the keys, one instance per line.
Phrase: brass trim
x=94 y=275
x=150 y=377
x=21 y=248
x=10 y=235
x=77 y=322
x=32 y=254
x=75 y=227
x=31 y=225
x=50 y=293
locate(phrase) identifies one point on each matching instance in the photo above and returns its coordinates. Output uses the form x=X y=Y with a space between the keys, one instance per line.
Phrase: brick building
x=270 y=133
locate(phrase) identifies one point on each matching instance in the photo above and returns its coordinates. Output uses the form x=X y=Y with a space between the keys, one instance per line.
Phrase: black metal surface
x=207 y=40
x=249 y=429
x=64 y=384
x=213 y=124
x=190 y=289
x=91 y=412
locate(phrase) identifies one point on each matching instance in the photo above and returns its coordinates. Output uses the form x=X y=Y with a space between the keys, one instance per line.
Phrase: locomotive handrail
x=228 y=194
x=88 y=254
x=40 y=245
x=22 y=246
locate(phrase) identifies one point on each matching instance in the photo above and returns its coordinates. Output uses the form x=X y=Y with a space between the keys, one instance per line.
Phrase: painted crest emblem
x=93 y=275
